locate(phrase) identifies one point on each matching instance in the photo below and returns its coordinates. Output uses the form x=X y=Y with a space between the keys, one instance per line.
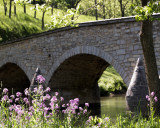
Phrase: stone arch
x=92 y=51
x=76 y=74
x=13 y=76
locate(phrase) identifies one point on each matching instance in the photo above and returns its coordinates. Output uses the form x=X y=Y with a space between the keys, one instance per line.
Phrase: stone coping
x=84 y=24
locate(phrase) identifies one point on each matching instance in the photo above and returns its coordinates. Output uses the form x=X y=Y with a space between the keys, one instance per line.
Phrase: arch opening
x=77 y=77
x=12 y=76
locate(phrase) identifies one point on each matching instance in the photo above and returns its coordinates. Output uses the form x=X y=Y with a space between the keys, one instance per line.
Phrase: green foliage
x=22 y=2
x=103 y=122
x=146 y=12
x=60 y=20
x=112 y=8
x=44 y=7
x=111 y=81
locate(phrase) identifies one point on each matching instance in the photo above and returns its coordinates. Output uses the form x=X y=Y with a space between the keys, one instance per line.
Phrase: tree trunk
x=24 y=8
x=52 y=9
x=122 y=13
x=96 y=14
x=114 y=9
x=10 y=8
x=5 y=7
x=35 y=12
x=121 y=7
x=14 y=8
x=146 y=37
x=104 y=13
x=43 y=20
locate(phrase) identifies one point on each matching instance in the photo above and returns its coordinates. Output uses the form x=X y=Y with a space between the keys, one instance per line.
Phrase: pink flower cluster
x=152 y=96
x=40 y=79
x=22 y=108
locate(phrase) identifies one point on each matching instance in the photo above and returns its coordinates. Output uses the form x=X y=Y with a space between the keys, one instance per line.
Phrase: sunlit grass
x=110 y=81
x=23 y=25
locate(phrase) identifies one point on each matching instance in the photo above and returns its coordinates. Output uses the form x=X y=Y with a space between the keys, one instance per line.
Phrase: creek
x=112 y=106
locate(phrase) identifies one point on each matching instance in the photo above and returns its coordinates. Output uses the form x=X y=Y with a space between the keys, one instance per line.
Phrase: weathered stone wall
x=115 y=41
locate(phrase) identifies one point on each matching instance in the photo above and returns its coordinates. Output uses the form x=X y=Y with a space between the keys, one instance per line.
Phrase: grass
x=23 y=25
x=111 y=81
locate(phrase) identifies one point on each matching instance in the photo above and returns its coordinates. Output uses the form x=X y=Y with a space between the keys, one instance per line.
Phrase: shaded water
x=111 y=106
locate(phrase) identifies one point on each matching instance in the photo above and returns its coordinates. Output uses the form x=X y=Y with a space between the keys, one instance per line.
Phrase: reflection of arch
x=92 y=51
x=12 y=76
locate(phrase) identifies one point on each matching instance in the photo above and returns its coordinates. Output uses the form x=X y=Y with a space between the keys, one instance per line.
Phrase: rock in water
x=137 y=90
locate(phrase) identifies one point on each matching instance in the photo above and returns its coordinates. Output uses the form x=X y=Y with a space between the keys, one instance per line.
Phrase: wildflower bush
x=38 y=109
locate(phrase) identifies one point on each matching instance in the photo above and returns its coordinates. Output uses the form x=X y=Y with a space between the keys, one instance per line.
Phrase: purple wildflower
x=56 y=93
x=26 y=100
x=5 y=90
x=35 y=90
x=147 y=96
x=48 y=96
x=85 y=110
x=62 y=99
x=155 y=99
x=40 y=79
x=18 y=94
x=26 y=92
x=54 y=99
x=48 y=89
x=17 y=99
x=12 y=96
x=80 y=108
x=152 y=94
x=76 y=99
x=56 y=107
x=9 y=101
x=4 y=98
x=87 y=104
x=63 y=105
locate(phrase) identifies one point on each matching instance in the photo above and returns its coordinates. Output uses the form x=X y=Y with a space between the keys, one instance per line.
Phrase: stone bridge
x=73 y=59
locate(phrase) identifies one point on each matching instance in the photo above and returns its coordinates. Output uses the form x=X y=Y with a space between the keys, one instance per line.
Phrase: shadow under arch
x=77 y=72
x=12 y=76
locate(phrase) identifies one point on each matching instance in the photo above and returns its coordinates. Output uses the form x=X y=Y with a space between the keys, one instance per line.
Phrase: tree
x=96 y=14
x=14 y=7
x=122 y=6
x=23 y=3
x=146 y=36
x=5 y=6
x=35 y=8
x=44 y=8
x=60 y=20
x=10 y=8
x=104 y=12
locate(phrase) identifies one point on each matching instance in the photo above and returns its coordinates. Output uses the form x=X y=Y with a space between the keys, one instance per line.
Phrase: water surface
x=112 y=106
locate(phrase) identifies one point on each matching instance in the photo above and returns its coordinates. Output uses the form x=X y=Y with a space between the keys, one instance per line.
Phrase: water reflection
x=112 y=106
